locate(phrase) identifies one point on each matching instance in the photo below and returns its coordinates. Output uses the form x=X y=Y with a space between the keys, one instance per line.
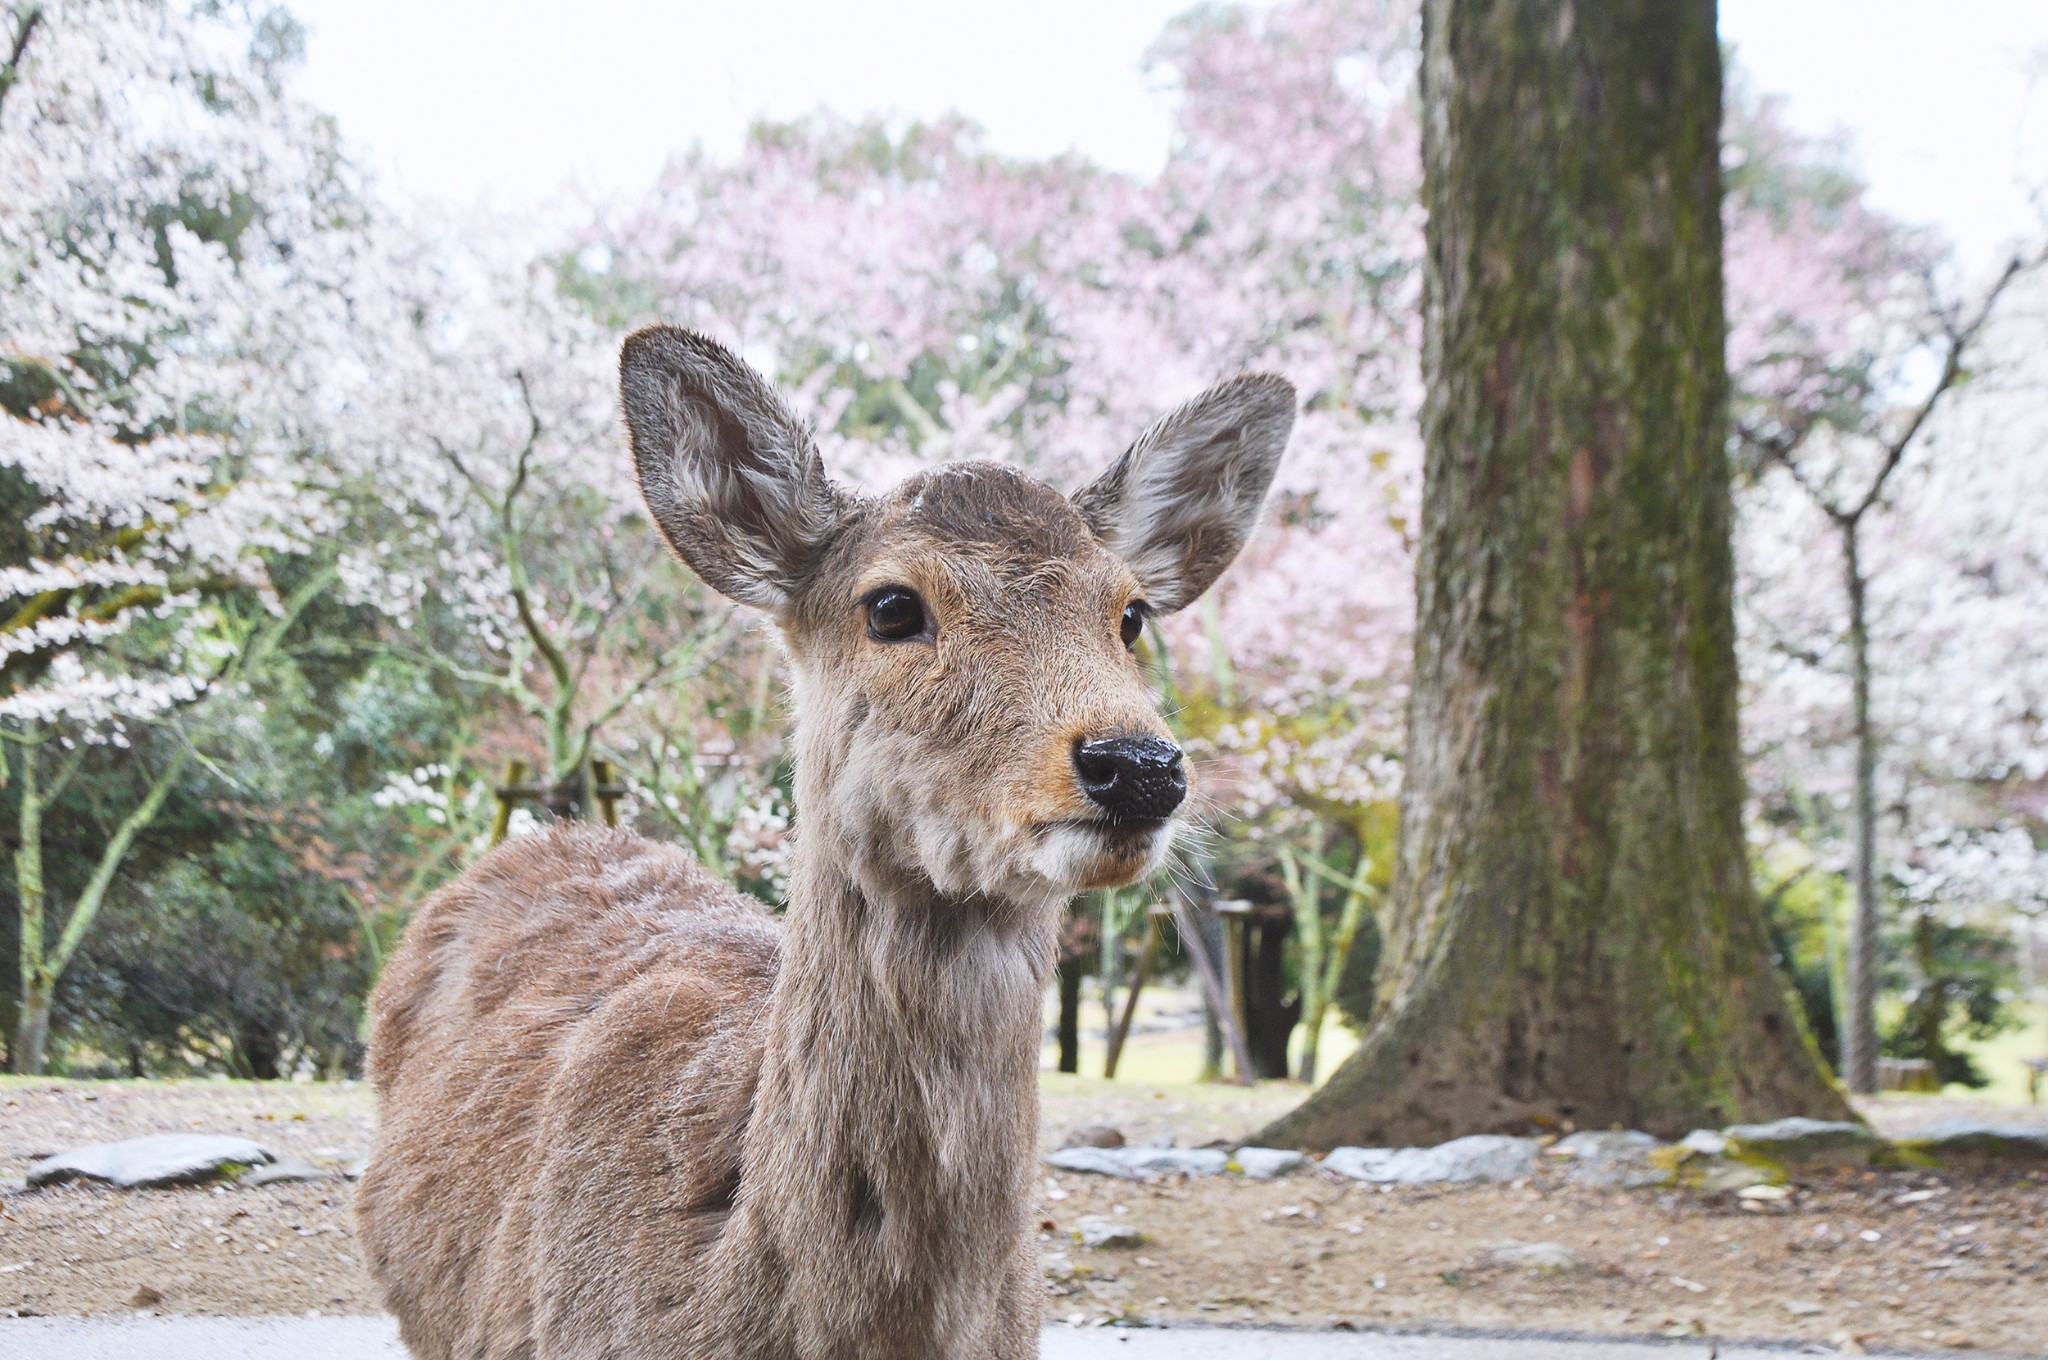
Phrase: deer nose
x=1131 y=778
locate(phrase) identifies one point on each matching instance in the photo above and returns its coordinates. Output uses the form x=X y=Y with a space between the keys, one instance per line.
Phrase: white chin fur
x=1070 y=857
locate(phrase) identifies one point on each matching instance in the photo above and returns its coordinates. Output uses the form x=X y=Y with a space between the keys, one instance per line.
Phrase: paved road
x=376 y=1339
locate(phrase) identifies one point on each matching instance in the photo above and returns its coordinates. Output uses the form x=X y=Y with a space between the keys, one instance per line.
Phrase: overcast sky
x=505 y=103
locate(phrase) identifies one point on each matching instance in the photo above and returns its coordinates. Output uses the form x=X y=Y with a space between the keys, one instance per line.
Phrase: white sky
x=504 y=103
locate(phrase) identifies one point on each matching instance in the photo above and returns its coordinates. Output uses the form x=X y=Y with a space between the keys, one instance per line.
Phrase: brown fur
x=626 y=1113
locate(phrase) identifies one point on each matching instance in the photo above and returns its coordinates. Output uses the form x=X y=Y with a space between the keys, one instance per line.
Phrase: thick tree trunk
x=1574 y=937
x=1859 y=1033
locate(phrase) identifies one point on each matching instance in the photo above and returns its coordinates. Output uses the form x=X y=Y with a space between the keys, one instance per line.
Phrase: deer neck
x=889 y=1162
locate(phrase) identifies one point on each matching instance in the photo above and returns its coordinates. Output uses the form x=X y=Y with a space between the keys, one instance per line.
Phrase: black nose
x=1131 y=778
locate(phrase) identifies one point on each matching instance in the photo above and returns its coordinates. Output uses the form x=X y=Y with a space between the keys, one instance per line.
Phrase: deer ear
x=730 y=475
x=1184 y=499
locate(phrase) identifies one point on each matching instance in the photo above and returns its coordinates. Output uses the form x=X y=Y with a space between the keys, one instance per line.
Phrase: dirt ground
x=1877 y=1260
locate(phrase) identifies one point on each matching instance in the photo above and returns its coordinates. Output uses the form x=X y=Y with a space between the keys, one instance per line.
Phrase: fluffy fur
x=625 y=1112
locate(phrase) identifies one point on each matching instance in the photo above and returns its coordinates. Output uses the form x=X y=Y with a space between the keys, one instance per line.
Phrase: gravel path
x=1891 y=1261
x=337 y=1338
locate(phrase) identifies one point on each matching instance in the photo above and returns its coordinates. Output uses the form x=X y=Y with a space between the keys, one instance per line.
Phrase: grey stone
x=1706 y=1142
x=1538 y=1258
x=1479 y=1157
x=1094 y=1136
x=1140 y=1163
x=1974 y=1140
x=1103 y=1234
x=1611 y=1159
x=1803 y=1308
x=282 y=1172
x=1720 y=1176
x=335 y=1154
x=1264 y=1164
x=1799 y=1141
x=1158 y=1161
x=142 y=1163
x=1360 y=1164
x=1092 y=1161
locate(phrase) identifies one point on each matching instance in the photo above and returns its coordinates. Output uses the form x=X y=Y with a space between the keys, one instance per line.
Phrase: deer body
x=625 y=1112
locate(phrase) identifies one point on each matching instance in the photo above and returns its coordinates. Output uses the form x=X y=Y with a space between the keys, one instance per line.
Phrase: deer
x=624 y=1110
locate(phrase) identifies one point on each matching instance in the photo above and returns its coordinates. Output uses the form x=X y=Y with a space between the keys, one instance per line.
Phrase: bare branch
x=1804 y=655
x=10 y=72
x=913 y=411
x=65 y=772
x=1782 y=457
x=505 y=684
x=533 y=428
x=1776 y=893
x=1960 y=335
x=665 y=667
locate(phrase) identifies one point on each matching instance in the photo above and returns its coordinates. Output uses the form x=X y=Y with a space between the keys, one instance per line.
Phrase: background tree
x=1842 y=448
x=225 y=368
x=171 y=225
x=1888 y=441
x=1574 y=935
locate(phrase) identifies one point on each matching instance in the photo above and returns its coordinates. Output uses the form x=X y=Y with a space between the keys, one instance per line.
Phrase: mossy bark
x=1574 y=937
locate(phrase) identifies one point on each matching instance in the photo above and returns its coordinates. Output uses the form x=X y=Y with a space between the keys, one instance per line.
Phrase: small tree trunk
x=29 y=1053
x=1312 y=1028
x=260 y=1053
x=1110 y=973
x=1305 y=893
x=1929 y=1013
x=1212 y=1043
x=1316 y=1004
x=1071 y=971
x=1859 y=1038
x=1269 y=1014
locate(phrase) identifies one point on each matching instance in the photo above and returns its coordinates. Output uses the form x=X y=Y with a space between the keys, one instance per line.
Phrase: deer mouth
x=1089 y=853
x=1113 y=830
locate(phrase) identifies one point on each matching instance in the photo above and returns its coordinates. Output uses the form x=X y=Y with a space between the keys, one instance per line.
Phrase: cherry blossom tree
x=234 y=385
x=1851 y=341
x=507 y=545
x=922 y=298
x=171 y=225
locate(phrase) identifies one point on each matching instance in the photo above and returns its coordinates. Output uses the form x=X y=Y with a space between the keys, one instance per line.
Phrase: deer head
x=969 y=710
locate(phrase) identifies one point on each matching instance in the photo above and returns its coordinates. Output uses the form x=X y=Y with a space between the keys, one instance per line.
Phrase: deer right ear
x=732 y=478
x=1181 y=502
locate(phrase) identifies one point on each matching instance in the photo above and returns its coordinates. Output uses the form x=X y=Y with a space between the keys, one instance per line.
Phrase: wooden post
x=1146 y=957
x=1212 y=987
x=508 y=794
x=593 y=793
x=1236 y=915
x=607 y=792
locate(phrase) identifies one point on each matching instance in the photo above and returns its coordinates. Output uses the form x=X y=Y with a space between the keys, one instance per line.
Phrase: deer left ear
x=1184 y=499
x=732 y=478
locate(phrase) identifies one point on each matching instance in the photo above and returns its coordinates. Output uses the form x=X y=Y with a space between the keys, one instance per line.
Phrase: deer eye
x=895 y=614
x=1133 y=622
